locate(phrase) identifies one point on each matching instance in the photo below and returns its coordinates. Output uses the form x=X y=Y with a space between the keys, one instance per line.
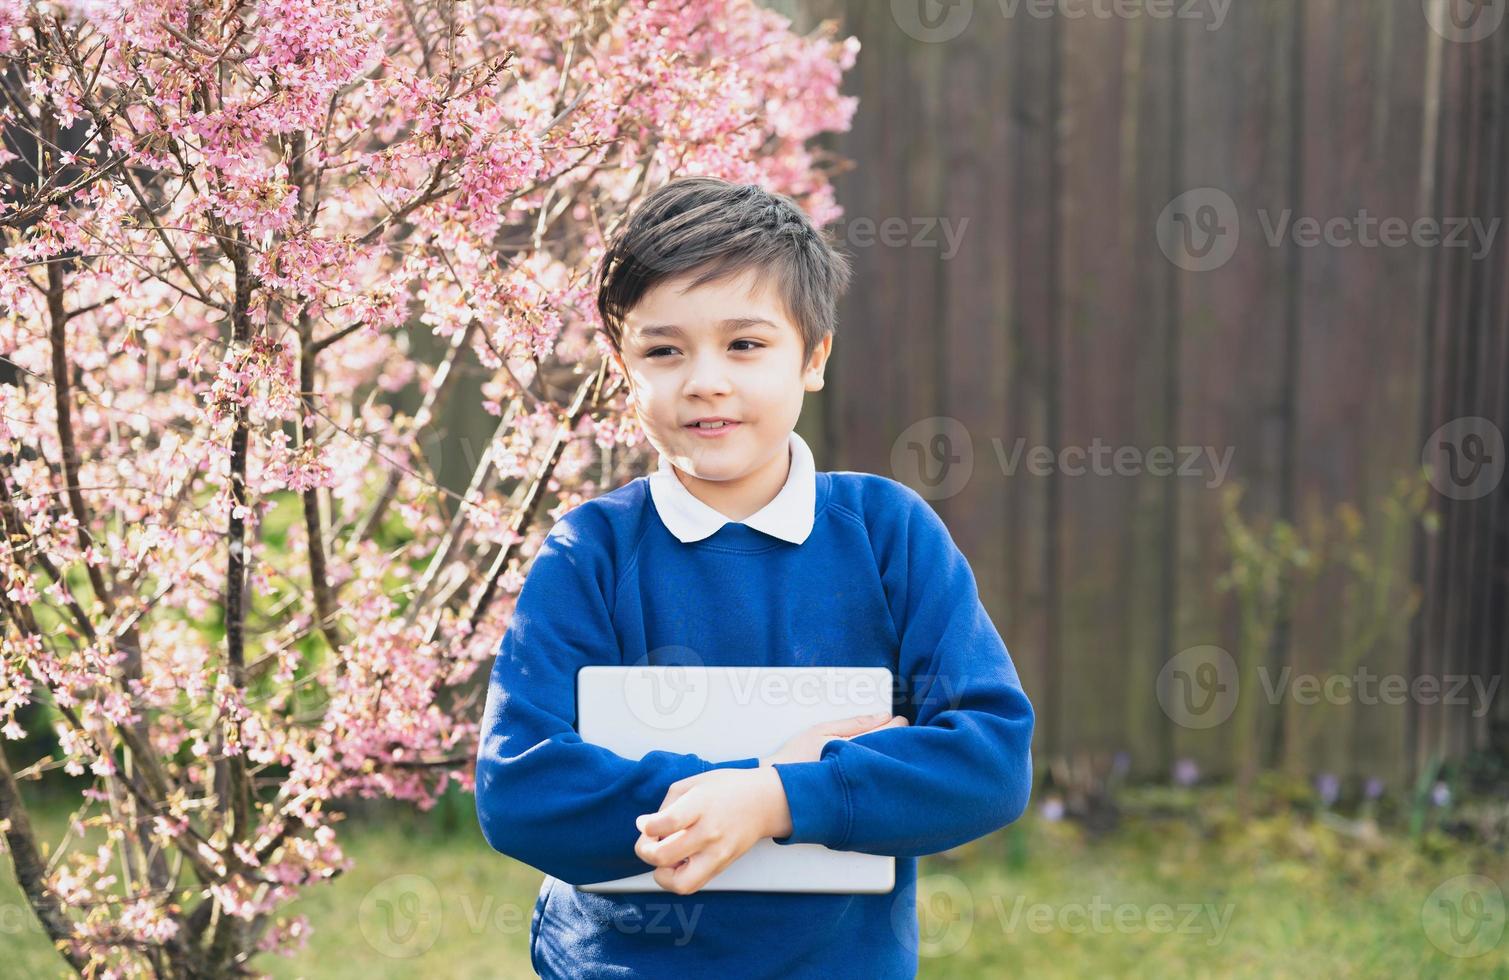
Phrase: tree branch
x=30 y=868
x=526 y=513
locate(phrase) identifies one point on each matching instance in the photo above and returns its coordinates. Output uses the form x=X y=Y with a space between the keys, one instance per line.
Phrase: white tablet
x=726 y=713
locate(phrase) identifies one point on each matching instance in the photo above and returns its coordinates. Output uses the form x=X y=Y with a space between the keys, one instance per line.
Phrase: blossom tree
x=228 y=578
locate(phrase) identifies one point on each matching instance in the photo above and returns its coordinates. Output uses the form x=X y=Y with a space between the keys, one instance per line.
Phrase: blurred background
x=1204 y=227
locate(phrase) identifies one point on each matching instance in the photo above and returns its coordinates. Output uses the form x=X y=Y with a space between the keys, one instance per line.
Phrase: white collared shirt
x=788 y=516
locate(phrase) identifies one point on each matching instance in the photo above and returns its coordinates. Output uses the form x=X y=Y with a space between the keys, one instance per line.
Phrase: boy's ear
x=628 y=382
x=813 y=374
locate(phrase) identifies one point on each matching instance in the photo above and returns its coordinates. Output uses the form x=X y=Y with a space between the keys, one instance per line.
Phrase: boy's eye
x=655 y=351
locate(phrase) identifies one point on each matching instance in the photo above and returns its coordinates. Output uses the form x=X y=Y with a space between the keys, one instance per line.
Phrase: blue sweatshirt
x=878 y=581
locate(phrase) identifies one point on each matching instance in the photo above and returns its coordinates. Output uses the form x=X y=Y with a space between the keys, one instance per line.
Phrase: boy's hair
x=720 y=229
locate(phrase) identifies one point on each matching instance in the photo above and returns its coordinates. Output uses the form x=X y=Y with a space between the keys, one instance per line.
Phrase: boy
x=718 y=301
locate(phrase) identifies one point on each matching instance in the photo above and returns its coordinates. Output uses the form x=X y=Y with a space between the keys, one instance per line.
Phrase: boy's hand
x=807 y=746
x=707 y=822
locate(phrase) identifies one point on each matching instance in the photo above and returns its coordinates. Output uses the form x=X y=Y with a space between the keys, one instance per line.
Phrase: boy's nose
x=708 y=380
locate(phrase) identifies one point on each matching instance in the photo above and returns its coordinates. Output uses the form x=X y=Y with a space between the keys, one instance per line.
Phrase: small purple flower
x=1440 y=794
x=1186 y=772
x=1328 y=787
x=1052 y=809
x=1373 y=789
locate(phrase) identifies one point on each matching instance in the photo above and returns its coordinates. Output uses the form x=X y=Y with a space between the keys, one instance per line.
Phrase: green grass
x=1204 y=895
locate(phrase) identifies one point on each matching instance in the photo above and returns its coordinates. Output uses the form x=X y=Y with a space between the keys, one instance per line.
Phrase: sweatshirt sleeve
x=962 y=768
x=544 y=796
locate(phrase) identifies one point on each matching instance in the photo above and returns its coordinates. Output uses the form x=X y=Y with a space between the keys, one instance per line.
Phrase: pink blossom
x=324 y=191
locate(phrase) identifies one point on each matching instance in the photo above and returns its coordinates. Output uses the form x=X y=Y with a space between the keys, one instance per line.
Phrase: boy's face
x=684 y=362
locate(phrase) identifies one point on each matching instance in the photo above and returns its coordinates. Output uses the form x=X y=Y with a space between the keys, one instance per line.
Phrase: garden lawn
x=1280 y=897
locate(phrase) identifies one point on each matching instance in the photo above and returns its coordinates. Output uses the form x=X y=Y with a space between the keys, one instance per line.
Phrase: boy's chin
x=715 y=472
x=717 y=467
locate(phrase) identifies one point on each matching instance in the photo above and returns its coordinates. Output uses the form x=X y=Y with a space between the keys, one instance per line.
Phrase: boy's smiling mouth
x=712 y=427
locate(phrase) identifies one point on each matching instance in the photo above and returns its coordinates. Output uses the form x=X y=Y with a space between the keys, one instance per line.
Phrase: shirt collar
x=789 y=516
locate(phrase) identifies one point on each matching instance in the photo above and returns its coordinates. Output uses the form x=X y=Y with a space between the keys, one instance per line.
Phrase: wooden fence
x=1138 y=231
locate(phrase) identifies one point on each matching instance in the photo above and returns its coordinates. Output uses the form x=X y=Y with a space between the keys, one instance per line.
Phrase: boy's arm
x=963 y=767
x=544 y=796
